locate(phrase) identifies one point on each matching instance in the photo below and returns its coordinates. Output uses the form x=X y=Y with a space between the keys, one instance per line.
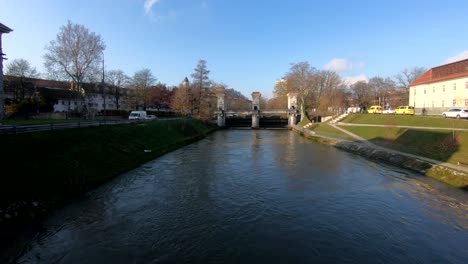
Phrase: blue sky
x=248 y=44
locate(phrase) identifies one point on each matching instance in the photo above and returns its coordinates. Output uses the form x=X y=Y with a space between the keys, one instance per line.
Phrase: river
x=265 y=196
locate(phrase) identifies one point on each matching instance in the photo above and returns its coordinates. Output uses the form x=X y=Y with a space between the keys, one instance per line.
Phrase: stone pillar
x=256 y=101
x=292 y=101
x=220 y=107
x=292 y=118
x=256 y=110
x=255 y=119
x=292 y=108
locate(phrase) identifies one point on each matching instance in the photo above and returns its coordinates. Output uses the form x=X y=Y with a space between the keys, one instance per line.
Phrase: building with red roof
x=440 y=88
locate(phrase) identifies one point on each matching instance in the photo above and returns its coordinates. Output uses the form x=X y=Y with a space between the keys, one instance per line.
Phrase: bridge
x=255 y=117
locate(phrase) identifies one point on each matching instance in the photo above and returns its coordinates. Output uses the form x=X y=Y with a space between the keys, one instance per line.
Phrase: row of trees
x=77 y=55
x=324 y=91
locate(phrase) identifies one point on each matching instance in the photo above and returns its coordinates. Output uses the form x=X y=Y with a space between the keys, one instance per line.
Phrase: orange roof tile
x=445 y=72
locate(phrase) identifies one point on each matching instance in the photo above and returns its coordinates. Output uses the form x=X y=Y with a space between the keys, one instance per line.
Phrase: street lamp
x=103 y=87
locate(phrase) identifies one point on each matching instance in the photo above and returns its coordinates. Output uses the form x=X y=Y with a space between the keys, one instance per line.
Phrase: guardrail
x=19 y=129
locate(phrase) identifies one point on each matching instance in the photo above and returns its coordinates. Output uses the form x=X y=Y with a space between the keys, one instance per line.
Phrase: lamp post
x=103 y=86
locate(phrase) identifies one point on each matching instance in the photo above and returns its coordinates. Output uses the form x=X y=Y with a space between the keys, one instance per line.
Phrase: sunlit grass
x=329 y=131
x=405 y=120
x=443 y=145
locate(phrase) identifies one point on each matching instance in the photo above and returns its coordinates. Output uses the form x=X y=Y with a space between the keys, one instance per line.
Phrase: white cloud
x=354 y=79
x=340 y=65
x=461 y=56
x=149 y=4
x=155 y=17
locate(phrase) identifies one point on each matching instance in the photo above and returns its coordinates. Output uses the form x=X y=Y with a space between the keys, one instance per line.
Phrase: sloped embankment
x=450 y=176
x=41 y=169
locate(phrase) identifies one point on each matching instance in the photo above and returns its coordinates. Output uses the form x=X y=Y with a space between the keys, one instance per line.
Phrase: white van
x=137 y=115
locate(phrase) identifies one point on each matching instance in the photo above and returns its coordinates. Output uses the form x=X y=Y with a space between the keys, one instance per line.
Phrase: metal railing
x=19 y=129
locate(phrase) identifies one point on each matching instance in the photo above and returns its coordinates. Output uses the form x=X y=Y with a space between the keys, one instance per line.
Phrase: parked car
x=388 y=110
x=456 y=113
x=354 y=109
x=404 y=110
x=151 y=117
x=375 y=109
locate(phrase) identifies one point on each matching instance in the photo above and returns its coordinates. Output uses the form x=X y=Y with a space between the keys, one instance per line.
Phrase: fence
x=18 y=129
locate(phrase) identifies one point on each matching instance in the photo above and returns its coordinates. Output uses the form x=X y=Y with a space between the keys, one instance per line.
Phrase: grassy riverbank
x=445 y=145
x=425 y=136
x=57 y=164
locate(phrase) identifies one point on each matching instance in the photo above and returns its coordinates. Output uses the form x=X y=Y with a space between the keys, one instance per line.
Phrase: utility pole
x=103 y=86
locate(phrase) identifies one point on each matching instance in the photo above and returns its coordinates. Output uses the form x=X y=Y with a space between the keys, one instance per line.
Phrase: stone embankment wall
x=436 y=171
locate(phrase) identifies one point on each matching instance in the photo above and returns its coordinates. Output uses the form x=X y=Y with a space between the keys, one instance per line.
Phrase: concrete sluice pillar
x=256 y=110
x=292 y=120
x=221 y=119
x=220 y=107
x=292 y=107
x=255 y=119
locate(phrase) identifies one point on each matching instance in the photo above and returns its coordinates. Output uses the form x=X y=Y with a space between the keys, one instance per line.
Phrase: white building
x=440 y=88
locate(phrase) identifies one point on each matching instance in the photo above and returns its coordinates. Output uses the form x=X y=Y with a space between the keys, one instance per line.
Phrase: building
x=3 y=30
x=440 y=88
x=63 y=97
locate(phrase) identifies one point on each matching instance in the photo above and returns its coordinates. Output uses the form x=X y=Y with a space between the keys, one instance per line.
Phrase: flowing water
x=243 y=196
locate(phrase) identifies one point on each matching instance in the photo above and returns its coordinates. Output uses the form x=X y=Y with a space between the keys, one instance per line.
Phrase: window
x=454 y=86
x=466 y=85
x=424 y=90
x=454 y=102
x=443 y=88
x=63 y=102
x=433 y=89
x=432 y=104
x=443 y=105
x=466 y=102
x=76 y=103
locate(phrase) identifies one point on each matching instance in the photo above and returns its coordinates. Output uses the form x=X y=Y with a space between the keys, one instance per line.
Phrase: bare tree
x=142 y=82
x=117 y=78
x=408 y=75
x=75 y=54
x=326 y=83
x=22 y=69
x=300 y=77
x=362 y=93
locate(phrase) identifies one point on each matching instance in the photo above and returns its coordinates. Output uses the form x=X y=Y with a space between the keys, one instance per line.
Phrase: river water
x=243 y=196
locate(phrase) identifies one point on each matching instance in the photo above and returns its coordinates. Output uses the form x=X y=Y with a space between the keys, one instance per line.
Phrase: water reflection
x=258 y=196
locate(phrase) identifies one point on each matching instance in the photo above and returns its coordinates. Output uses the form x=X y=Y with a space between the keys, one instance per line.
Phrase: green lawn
x=441 y=145
x=405 y=120
x=329 y=131
x=57 y=163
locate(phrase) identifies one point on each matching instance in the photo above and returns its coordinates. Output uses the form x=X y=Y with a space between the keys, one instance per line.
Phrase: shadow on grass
x=438 y=145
